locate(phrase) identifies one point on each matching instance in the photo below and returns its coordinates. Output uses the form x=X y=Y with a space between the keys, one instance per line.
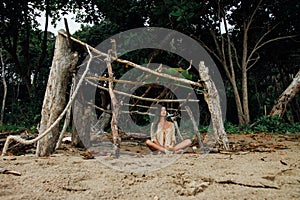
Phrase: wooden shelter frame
x=211 y=97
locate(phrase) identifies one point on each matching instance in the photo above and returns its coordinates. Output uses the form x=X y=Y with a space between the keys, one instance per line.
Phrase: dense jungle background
x=257 y=52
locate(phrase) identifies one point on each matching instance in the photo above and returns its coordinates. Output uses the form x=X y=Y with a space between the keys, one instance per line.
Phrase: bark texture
x=290 y=92
x=115 y=109
x=64 y=62
x=212 y=98
x=81 y=134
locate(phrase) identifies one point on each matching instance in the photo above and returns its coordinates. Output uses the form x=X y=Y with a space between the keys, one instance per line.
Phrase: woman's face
x=163 y=112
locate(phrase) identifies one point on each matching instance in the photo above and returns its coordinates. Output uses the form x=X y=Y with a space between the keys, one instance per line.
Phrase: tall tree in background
x=28 y=53
x=18 y=32
x=253 y=33
x=238 y=47
x=16 y=23
x=237 y=32
x=4 y=87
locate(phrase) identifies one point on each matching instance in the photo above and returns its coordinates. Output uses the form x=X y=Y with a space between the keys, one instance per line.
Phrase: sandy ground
x=261 y=167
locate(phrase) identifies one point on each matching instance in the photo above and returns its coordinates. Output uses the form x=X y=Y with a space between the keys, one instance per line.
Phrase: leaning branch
x=142 y=98
x=67 y=118
x=142 y=83
x=290 y=92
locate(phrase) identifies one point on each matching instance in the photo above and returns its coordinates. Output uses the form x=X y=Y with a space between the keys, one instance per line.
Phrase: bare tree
x=243 y=59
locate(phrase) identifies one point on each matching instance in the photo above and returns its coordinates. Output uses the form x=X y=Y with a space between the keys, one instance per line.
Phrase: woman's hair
x=157 y=115
x=157 y=112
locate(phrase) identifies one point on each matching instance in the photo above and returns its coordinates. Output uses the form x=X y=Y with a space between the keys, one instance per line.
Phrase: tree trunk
x=44 y=44
x=4 y=88
x=238 y=102
x=280 y=107
x=212 y=98
x=64 y=61
x=246 y=115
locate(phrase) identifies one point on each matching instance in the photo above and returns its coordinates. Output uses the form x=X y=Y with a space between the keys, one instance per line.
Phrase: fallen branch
x=74 y=189
x=290 y=92
x=6 y=171
x=142 y=98
x=231 y=182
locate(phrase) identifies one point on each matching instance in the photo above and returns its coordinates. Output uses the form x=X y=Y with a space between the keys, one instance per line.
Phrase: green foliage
x=184 y=10
x=269 y=124
x=10 y=128
x=203 y=129
x=232 y=128
x=141 y=120
x=23 y=114
x=274 y=124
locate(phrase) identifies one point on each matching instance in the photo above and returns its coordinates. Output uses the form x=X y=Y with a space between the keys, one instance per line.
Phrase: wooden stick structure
x=210 y=95
x=129 y=63
x=115 y=108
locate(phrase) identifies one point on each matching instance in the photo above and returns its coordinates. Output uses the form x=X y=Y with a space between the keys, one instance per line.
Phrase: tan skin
x=166 y=124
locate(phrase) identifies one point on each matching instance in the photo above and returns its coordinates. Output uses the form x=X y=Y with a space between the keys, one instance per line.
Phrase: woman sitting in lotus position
x=163 y=136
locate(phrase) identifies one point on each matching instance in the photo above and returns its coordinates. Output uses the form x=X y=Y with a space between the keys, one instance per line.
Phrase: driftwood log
x=64 y=62
x=212 y=98
x=290 y=92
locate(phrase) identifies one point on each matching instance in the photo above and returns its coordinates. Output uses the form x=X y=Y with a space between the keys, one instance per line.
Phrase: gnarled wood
x=212 y=98
x=41 y=135
x=64 y=61
x=280 y=107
